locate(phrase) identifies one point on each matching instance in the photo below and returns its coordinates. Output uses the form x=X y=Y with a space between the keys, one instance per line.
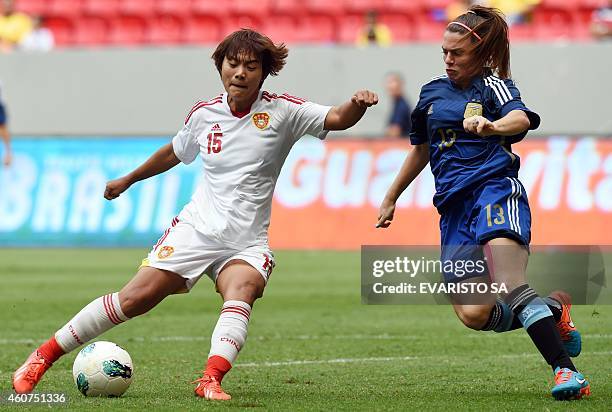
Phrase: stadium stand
x=175 y=22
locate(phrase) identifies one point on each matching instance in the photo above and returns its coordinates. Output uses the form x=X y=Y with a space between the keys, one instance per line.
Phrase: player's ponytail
x=488 y=31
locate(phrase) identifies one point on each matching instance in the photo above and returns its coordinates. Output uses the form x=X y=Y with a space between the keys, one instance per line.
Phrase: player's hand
x=385 y=213
x=115 y=187
x=364 y=98
x=479 y=125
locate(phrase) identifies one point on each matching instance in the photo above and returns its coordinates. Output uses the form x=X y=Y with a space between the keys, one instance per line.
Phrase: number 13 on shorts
x=504 y=211
x=498 y=212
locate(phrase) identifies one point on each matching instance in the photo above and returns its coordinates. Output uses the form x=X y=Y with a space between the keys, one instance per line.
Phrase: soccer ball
x=102 y=369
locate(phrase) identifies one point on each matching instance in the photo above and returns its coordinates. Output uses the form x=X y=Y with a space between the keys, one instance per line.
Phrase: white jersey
x=243 y=154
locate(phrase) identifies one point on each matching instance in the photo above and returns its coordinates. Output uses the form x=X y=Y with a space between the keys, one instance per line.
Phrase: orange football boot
x=569 y=335
x=30 y=373
x=209 y=388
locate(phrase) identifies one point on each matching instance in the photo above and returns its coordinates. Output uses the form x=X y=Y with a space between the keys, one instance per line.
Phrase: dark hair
x=247 y=41
x=492 y=50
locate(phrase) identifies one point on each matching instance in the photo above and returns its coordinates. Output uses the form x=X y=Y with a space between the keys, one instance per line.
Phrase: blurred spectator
x=516 y=11
x=457 y=8
x=373 y=32
x=39 y=39
x=6 y=159
x=399 y=123
x=14 y=26
x=601 y=23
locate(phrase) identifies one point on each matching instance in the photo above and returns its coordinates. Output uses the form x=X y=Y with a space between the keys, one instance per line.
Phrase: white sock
x=94 y=319
x=231 y=330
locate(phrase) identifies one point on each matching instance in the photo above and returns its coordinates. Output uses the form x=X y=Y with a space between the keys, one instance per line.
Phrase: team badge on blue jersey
x=472 y=109
x=261 y=120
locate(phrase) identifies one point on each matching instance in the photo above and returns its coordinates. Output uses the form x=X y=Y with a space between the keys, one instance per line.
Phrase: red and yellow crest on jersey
x=165 y=252
x=261 y=120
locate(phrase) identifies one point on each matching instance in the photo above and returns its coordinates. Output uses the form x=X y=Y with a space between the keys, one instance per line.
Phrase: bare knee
x=245 y=290
x=473 y=316
x=136 y=302
x=240 y=281
x=149 y=287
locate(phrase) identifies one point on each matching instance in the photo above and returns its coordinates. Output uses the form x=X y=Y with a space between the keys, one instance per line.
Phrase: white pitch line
x=384 y=359
x=302 y=337
x=326 y=361
x=515 y=335
x=389 y=359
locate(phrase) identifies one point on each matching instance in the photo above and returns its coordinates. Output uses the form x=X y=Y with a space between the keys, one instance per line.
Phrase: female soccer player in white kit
x=243 y=137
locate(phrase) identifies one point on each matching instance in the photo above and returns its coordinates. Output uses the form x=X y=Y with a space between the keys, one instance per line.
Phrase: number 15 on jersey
x=214 y=142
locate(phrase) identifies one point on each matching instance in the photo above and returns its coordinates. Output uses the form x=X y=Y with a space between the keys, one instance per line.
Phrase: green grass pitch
x=312 y=345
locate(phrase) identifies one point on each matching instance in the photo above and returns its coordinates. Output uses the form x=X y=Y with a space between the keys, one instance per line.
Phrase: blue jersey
x=462 y=161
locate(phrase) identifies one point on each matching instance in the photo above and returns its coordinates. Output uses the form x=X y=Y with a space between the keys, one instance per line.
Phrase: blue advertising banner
x=52 y=195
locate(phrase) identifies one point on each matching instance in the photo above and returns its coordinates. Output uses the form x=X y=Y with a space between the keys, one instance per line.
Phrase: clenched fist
x=115 y=187
x=479 y=125
x=364 y=98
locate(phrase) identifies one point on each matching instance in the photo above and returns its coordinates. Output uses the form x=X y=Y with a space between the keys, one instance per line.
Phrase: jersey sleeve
x=307 y=118
x=185 y=144
x=418 y=132
x=506 y=98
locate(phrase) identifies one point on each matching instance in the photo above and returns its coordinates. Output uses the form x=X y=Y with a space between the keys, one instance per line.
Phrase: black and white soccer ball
x=103 y=369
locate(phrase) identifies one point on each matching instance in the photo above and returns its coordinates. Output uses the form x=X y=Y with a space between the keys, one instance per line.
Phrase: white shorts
x=189 y=253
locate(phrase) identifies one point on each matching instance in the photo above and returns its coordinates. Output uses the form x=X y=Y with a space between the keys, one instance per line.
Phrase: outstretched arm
x=415 y=162
x=347 y=114
x=162 y=160
x=511 y=124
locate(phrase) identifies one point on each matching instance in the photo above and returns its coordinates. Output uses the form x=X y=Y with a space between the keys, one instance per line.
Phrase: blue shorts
x=497 y=208
x=2 y=115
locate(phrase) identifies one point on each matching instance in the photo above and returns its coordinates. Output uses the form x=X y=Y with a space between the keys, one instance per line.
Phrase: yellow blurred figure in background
x=14 y=26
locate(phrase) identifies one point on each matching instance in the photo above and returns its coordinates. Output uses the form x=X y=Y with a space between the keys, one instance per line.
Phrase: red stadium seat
x=559 y=5
x=233 y=23
x=64 y=8
x=402 y=27
x=521 y=32
x=324 y=7
x=349 y=28
x=402 y=6
x=282 y=29
x=429 y=31
x=363 y=6
x=319 y=29
x=181 y=8
x=105 y=8
x=210 y=7
x=63 y=30
x=582 y=32
x=436 y=4
x=32 y=7
x=293 y=7
x=127 y=31
x=259 y=8
x=553 y=33
x=202 y=29
x=581 y=25
x=91 y=31
x=142 y=8
x=593 y=4
x=552 y=24
x=164 y=30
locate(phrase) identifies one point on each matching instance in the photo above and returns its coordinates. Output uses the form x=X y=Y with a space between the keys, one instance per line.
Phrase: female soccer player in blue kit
x=464 y=125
